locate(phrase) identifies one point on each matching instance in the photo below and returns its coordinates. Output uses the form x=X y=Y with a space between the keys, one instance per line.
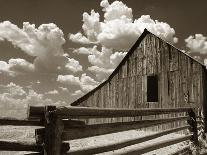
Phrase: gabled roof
x=136 y=44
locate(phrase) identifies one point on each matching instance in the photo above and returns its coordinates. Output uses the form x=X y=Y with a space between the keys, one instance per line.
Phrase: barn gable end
x=180 y=78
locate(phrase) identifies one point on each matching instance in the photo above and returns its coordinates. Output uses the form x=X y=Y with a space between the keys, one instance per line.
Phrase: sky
x=53 y=52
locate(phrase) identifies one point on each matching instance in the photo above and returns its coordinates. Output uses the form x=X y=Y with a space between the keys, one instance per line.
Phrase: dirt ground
x=27 y=134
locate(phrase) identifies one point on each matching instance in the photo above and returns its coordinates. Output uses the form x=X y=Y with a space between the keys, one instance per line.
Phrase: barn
x=153 y=74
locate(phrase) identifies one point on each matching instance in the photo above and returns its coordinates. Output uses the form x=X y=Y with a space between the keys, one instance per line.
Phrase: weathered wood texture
x=52 y=133
x=17 y=122
x=180 y=79
x=122 y=144
x=19 y=146
x=91 y=112
x=107 y=128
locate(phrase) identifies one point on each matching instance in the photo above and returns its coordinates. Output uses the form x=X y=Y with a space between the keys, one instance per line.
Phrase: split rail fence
x=62 y=124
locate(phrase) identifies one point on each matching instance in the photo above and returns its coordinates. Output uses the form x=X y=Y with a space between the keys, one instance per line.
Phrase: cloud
x=83 y=50
x=52 y=92
x=16 y=66
x=44 y=43
x=197 y=44
x=79 y=38
x=15 y=99
x=64 y=89
x=14 y=90
x=119 y=30
x=85 y=83
x=116 y=58
x=101 y=73
x=21 y=65
x=78 y=93
x=5 y=68
x=104 y=61
x=68 y=79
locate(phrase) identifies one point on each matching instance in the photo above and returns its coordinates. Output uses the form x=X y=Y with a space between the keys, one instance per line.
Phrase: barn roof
x=133 y=48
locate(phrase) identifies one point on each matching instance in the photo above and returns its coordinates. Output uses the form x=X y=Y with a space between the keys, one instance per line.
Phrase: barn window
x=152 y=88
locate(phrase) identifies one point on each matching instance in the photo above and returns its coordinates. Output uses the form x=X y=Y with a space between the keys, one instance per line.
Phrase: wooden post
x=53 y=132
x=193 y=123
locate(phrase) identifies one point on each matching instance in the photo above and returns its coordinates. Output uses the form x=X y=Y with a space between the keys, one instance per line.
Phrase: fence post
x=193 y=126
x=53 y=131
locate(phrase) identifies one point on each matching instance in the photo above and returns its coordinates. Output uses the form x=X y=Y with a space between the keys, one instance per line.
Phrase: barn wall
x=180 y=79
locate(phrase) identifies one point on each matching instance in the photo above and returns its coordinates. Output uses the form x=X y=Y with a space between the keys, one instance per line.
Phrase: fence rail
x=19 y=146
x=17 y=122
x=107 y=128
x=62 y=123
x=86 y=112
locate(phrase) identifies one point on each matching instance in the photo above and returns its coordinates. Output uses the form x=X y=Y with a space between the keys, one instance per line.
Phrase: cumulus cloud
x=4 y=68
x=20 y=65
x=83 y=50
x=15 y=98
x=86 y=83
x=78 y=93
x=119 y=30
x=79 y=38
x=14 y=90
x=16 y=66
x=197 y=45
x=101 y=73
x=44 y=43
x=68 y=79
x=64 y=89
x=104 y=61
x=52 y=92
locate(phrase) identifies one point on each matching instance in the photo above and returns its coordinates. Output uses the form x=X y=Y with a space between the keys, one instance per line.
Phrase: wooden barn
x=153 y=74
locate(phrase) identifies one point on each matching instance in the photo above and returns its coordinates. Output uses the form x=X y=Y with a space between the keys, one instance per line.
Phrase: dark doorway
x=152 y=88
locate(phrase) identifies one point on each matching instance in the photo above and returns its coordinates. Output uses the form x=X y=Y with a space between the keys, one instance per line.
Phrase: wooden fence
x=61 y=124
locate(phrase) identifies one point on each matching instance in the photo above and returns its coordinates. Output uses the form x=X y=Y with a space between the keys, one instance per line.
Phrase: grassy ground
x=27 y=134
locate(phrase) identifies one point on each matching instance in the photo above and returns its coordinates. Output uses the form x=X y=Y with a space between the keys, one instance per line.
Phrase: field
x=27 y=134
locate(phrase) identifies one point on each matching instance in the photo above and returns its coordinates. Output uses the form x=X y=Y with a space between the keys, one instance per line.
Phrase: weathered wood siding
x=179 y=79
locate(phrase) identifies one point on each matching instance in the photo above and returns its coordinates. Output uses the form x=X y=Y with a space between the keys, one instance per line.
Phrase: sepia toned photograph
x=105 y=77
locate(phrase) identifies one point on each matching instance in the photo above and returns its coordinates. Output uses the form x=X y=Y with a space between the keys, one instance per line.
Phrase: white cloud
x=104 y=61
x=79 y=38
x=119 y=30
x=21 y=65
x=101 y=73
x=16 y=66
x=68 y=79
x=64 y=89
x=45 y=43
x=86 y=83
x=91 y=25
x=52 y=92
x=83 y=50
x=14 y=90
x=205 y=62
x=73 y=65
x=41 y=41
x=14 y=100
x=116 y=58
x=197 y=44
x=78 y=93
x=5 y=68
